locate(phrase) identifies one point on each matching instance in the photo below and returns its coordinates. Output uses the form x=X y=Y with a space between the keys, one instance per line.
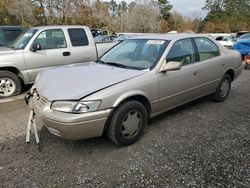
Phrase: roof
x=219 y=34
x=58 y=26
x=11 y=27
x=169 y=36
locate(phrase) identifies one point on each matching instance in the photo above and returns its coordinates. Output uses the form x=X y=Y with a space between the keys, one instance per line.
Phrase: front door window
x=51 y=39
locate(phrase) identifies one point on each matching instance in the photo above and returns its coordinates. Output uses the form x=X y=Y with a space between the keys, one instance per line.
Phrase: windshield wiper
x=111 y=63
x=116 y=64
x=100 y=61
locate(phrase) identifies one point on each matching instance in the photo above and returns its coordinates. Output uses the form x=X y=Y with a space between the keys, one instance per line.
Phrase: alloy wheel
x=7 y=87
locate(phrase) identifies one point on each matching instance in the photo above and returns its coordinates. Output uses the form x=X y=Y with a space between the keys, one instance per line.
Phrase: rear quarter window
x=78 y=37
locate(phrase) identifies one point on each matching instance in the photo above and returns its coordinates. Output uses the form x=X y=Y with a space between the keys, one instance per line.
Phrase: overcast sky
x=188 y=7
x=191 y=8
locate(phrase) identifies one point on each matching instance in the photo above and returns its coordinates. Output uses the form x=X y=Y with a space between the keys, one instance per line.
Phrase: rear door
x=82 y=49
x=212 y=65
x=54 y=52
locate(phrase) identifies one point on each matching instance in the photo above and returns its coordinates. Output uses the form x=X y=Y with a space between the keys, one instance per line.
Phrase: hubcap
x=131 y=124
x=7 y=87
x=224 y=88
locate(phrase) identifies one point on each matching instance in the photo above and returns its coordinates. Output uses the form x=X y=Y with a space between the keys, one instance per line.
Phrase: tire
x=10 y=84
x=223 y=89
x=128 y=113
x=247 y=66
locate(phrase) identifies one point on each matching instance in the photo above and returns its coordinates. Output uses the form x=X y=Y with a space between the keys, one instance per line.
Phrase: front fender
x=128 y=95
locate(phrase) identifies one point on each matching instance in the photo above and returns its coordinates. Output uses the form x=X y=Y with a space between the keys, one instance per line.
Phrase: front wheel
x=10 y=84
x=127 y=123
x=223 y=89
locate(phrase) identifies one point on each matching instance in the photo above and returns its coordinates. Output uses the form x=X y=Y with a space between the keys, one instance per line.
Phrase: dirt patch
x=201 y=144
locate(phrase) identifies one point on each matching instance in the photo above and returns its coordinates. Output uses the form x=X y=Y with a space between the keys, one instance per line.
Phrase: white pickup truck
x=40 y=48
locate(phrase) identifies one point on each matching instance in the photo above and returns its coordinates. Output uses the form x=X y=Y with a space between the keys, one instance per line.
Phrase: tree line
x=227 y=15
x=138 y=16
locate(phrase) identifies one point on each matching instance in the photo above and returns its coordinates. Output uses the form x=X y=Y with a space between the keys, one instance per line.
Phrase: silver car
x=136 y=80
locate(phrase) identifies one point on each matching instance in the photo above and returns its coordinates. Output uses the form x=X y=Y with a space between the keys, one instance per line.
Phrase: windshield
x=23 y=39
x=245 y=36
x=228 y=38
x=135 y=53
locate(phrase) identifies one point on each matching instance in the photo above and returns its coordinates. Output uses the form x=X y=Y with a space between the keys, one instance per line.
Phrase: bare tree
x=22 y=10
x=144 y=17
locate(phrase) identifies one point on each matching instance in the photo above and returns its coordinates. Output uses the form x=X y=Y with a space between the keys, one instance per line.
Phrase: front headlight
x=75 y=106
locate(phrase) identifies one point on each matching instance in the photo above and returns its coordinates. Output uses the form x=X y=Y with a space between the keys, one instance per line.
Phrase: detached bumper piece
x=27 y=97
x=32 y=123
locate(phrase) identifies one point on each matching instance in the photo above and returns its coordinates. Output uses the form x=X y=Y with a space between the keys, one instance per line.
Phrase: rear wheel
x=10 y=84
x=127 y=123
x=247 y=66
x=223 y=89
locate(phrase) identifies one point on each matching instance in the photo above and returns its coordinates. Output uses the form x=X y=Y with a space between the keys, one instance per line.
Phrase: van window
x=2 y=41
x=11 y=35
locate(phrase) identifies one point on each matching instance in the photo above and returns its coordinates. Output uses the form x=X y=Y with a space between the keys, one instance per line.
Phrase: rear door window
x=206 y=48
x=78 y=37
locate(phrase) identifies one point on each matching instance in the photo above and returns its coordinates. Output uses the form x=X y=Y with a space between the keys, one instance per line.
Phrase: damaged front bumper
x=66 y=125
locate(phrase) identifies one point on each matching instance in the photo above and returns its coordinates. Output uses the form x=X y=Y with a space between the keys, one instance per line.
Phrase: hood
x=6 y=50
x=77 y=81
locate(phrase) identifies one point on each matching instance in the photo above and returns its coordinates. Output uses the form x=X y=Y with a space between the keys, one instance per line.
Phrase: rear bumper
x=238 y=71
x=70 y=126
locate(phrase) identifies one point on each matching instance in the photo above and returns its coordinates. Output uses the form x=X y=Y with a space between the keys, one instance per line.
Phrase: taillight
x=247 y=59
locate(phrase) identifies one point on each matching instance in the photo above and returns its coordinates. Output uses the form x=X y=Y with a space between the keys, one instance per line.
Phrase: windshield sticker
x=27 y=34
x=156 y=42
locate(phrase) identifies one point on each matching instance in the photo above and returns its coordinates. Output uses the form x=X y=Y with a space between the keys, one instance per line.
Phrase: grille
x=42 y=101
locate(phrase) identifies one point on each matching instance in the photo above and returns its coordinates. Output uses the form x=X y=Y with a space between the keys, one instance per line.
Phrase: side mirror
x=35 y=47
x=170 y=66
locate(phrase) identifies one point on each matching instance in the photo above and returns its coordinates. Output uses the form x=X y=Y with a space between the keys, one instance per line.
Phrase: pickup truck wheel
x=223 y=89
x=10 y=84
x=127 y=123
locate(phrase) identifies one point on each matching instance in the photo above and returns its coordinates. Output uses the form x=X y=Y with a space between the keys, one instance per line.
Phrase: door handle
x=196 y=73
x=66 y=53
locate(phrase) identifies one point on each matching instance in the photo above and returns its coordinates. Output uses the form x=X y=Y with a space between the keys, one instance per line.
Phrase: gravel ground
x=201 y=144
